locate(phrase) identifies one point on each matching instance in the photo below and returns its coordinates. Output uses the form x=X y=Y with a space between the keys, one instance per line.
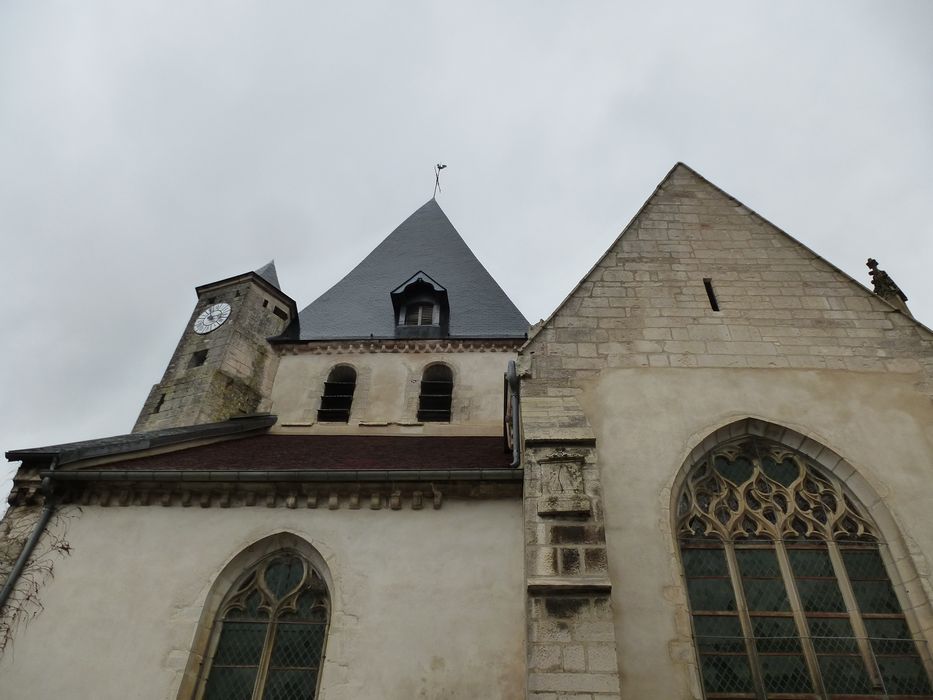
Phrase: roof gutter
x=297 y=475
x=33 y=540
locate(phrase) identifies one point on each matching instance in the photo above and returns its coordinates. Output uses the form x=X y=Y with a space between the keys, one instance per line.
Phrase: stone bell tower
x=223 y=365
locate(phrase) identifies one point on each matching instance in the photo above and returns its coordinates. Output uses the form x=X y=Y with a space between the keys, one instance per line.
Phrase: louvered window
x=338 y=395
x=437 y=388
x=270 y=634
x=789 y=594
x=419 y=314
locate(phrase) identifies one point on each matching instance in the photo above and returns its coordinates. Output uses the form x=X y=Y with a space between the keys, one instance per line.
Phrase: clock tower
x=223 y=366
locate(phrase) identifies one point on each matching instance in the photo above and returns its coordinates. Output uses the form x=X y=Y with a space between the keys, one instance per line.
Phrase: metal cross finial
x=437 y=178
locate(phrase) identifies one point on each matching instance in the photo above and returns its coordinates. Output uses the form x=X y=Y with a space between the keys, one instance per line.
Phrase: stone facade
x=638 y=362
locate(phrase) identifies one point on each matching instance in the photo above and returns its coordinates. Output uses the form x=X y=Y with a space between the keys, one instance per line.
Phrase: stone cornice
x=389 y=345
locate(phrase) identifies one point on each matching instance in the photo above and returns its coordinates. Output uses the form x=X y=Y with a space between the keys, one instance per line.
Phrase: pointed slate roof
x=268 y=273
x=360 y=306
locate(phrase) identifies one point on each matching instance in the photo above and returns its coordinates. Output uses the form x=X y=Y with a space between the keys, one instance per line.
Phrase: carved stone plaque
x=562 y=492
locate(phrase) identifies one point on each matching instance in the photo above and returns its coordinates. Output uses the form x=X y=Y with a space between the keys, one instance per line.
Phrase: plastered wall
x=648 y=421
x=426 y=604
x=387 y=389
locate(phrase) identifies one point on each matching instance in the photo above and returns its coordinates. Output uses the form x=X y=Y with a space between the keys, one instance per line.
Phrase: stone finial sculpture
x=885 y=287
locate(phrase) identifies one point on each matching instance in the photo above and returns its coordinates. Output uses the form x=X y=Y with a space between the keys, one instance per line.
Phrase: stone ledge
x=559 y=585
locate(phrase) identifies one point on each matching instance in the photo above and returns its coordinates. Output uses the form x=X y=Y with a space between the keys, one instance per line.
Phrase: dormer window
x=420 y=307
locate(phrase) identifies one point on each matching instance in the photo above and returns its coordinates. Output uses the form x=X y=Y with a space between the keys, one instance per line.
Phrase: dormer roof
x=426 y=243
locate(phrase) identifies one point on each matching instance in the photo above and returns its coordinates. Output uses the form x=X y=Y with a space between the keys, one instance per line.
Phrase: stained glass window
x=271 y=633
x=789 y=593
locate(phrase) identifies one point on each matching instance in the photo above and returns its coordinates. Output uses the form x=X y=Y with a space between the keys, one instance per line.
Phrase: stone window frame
x=453 y=383
x=222 y=589
x=902 y=563
x=353 y=395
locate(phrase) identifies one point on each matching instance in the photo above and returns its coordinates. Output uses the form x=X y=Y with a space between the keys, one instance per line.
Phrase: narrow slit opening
x=708 y=283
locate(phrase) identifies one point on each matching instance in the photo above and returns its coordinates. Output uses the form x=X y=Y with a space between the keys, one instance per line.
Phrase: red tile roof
x=273 y=452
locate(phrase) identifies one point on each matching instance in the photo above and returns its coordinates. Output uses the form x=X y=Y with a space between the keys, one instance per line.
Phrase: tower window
x=711 y=295
x=338 y=395
x=158 y=406
x=437 y=388
x=280 y=313
x=419 y=315
x=198 y=359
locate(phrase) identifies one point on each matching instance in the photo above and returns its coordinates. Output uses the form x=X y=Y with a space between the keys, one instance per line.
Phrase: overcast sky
x=147 y=148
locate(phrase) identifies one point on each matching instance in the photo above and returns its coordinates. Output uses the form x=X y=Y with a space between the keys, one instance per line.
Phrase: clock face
x=211 y=318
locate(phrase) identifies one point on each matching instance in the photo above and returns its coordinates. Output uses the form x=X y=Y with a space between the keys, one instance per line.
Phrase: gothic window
x=338 y=395
x=437 y=388
x=270 y=633
x=788 y=589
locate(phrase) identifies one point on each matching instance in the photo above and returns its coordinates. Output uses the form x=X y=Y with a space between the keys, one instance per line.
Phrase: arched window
x=268 y=641
x=437 y=388
x=788 y=589
x=338 y=395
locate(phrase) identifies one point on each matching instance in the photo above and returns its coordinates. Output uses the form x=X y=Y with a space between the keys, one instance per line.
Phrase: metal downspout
x=33 y=540
x=511 y=375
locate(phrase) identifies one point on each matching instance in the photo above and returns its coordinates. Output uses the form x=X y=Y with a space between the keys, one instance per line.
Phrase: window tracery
x=270 y=634
x=789 y=593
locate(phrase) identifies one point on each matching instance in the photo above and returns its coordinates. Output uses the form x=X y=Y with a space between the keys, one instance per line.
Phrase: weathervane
x=437 y=178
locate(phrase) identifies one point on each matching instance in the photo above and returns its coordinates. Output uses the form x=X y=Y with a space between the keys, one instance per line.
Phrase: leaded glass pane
x=738 y=471
x=726 y=674
x=890 y=636
x=286 y=684
x=775 y=634
x=711 y=594
x=758 y=562
x=832 y=635
x=230 y=684
x=811 y=562
x=875 y=597
x=904 y=675
x=761 y=579
x=864 y=563
x=704 y=562
x=844 y=674
x=298 y=645
x=820 y=595
x=240 y=643
x=784 y=472
x=785 y=674
x=283 y=575
x=719 y=633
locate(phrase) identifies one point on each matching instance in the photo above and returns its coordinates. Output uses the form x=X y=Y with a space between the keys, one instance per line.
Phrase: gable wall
x=644 y=304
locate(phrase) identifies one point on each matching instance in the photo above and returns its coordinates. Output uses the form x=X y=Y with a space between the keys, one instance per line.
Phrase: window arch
x=788 y=589
x=437 y=388
x=338 y=395
x=268 y=639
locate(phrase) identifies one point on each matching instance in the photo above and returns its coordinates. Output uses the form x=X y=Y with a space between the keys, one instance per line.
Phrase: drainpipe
x=511 y=376
x=33 y=540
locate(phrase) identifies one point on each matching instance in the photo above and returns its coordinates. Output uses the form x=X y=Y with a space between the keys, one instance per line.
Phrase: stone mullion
x=744 y=618
x=803 y=628
x=855 y=618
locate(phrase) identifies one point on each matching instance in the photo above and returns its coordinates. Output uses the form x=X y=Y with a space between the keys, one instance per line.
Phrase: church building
x=706 y=475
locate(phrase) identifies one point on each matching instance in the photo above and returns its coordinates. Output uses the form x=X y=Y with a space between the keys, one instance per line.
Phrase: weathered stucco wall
x=387 y=389
x=426 y=604
x=648 y=421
